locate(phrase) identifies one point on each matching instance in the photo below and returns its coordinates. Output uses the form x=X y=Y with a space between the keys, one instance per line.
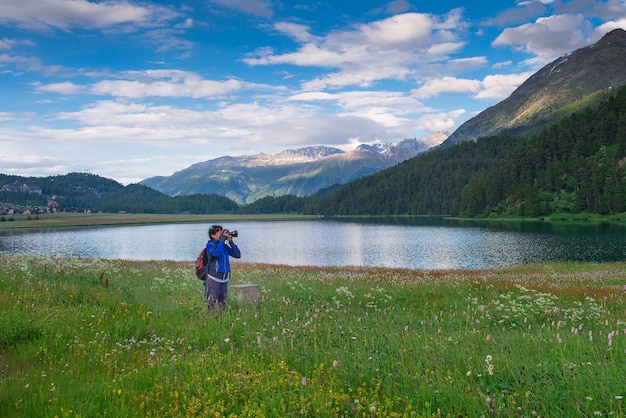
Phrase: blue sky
x=131 y=89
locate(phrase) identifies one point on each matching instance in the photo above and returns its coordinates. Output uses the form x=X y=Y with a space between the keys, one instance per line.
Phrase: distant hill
x=79 y=192
x=581 y=79
x=298 y=172
x=69 y=192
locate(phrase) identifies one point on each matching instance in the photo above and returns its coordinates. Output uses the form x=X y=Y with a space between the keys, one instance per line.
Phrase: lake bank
x=68 y=219
x=71 y=219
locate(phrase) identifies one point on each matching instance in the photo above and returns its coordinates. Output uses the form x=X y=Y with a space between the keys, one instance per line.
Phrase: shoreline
x=68 y=220
x=73 y=219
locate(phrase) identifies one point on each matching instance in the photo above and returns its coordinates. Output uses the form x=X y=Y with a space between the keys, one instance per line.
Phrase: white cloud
x=446 y=85
x=155 y=83
x=500 y=86
x=295 y=31
x=21 y=62
x=60 y=88
x=493 y=87
x=5 y=116
x=7 y=43
x=609 y=10
x=391 y=48
x=386 y=108
x=64 y=15
x=547 y=38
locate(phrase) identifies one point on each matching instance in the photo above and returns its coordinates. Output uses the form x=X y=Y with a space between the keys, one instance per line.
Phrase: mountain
x=299 y=172
x=571 y=83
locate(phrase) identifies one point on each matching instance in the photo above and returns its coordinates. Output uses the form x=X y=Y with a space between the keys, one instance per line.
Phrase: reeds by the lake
x=93 y=337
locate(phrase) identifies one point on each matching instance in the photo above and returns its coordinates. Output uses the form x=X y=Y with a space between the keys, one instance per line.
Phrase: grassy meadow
x=110 y=338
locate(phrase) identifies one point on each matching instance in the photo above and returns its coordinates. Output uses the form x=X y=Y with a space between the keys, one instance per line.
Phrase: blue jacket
x=219 y=264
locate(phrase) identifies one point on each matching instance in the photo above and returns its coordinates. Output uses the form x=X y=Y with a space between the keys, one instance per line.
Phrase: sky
x=132 y=89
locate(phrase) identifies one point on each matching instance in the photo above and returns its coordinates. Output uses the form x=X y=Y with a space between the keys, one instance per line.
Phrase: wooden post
x=250 y=293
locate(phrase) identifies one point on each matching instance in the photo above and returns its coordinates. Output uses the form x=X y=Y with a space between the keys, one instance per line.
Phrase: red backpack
x=201 y=264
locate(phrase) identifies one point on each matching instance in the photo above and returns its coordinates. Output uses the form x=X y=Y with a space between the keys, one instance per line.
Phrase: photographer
x=219 y=248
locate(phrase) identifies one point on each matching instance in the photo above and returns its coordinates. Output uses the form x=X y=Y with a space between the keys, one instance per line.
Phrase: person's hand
x=223 y=237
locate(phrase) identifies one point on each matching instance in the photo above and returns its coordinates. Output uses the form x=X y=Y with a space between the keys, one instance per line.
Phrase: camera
x=231 y=233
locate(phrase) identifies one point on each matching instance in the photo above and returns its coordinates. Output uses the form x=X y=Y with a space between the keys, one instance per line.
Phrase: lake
x=425 y=243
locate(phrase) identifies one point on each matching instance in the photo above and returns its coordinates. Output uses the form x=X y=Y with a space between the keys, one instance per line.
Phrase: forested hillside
x=136 y=198
x=88 y=192
x=577 y=165
x=73 y=191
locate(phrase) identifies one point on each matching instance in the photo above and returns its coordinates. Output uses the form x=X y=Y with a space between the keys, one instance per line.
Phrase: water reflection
x=430 y=243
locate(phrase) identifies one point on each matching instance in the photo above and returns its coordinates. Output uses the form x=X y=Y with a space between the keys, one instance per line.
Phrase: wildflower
x=303 y=381
x=335 y=363
x=489 y=365
x=226 y=340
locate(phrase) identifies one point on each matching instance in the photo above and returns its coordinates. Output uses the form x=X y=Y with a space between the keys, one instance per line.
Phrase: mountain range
x=299 y=172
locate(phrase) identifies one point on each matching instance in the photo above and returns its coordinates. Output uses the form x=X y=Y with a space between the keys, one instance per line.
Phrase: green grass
x=87 y=338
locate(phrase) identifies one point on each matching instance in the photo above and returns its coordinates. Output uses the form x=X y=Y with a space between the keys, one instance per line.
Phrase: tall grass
x=83 y=337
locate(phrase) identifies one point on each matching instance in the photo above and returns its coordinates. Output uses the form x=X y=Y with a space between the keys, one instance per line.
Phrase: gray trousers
x=216 y=293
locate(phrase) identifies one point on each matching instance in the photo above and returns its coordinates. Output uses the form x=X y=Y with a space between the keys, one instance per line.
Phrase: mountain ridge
x=300 y=172
x=579 y=79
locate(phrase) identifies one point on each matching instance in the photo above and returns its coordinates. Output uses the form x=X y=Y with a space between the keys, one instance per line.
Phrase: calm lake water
x=429 y=243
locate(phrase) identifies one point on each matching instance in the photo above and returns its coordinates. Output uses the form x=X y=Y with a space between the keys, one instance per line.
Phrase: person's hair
x=214 y=229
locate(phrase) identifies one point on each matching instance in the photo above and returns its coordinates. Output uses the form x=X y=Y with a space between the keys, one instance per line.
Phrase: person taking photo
x=219 y=249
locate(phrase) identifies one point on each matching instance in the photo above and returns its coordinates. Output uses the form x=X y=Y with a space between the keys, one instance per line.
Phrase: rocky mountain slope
x=299 y=172
x=581 y=79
